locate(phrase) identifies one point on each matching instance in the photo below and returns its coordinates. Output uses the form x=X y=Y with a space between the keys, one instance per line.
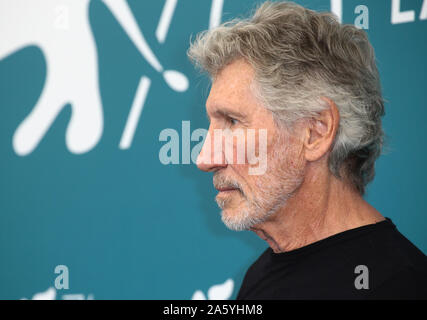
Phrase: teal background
x=129 y=227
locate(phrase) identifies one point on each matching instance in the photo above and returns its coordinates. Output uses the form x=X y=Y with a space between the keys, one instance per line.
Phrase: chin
x=236 y=219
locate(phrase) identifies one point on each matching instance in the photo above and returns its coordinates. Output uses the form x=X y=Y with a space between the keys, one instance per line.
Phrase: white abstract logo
x=61 y=29
x=221 y=291
x=51 y=294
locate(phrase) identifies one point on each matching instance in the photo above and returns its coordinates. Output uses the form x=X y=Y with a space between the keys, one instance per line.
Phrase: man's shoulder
x=385 y=248
x=395 y=267
x=407 y=283
x=391 y=259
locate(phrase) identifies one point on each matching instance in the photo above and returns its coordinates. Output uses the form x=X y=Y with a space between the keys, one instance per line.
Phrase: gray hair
x=298 y=56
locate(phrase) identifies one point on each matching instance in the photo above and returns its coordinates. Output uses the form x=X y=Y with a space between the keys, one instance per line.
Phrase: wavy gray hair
x=300 y=55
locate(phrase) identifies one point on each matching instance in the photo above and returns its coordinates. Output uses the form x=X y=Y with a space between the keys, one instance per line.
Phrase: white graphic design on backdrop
x=51 y=294
x=221 y=291
x=336 y=8
x=61 y=29
x=398 y=16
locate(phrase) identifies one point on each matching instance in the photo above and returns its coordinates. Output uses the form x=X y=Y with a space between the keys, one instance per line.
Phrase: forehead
x=232 y=88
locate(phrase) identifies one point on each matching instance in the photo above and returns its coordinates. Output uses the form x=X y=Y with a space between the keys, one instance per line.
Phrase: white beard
x=274 y=188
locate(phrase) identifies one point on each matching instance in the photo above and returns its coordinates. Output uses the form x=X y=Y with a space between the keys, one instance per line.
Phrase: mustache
x=224 y=182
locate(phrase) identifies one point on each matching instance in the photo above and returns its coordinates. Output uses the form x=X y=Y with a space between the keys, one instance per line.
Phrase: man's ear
x=321 y=131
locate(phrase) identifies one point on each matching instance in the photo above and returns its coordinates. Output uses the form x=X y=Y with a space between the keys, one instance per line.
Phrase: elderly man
x=313 y=85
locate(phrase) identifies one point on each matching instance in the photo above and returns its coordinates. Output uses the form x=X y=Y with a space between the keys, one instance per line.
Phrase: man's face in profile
x=248 y=199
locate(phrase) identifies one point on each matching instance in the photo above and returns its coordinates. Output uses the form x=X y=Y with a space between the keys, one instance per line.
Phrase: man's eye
x=233 y=121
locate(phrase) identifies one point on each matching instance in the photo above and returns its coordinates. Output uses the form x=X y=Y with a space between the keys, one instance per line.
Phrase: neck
x=321 y=207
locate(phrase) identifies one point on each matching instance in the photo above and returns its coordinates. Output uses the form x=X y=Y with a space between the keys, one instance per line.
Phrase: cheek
x=288 y=162
x=296 y=159
x=234 y=148
x=251 y=150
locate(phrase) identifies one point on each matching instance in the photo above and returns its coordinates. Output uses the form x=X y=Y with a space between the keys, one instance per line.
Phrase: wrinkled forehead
x=232 y=88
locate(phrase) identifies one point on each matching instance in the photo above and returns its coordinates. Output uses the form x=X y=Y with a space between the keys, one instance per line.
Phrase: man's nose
x=211 y=157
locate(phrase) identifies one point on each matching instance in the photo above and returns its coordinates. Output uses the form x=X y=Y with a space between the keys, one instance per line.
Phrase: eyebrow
x=226 y=112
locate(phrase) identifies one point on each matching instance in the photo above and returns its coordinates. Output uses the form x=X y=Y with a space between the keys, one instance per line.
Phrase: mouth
x=226 y=189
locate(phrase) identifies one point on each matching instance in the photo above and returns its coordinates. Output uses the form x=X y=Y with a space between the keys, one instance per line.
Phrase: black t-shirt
x=370 y=262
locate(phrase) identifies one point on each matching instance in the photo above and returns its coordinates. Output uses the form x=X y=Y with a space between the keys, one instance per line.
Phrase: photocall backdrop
x=88 y=210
